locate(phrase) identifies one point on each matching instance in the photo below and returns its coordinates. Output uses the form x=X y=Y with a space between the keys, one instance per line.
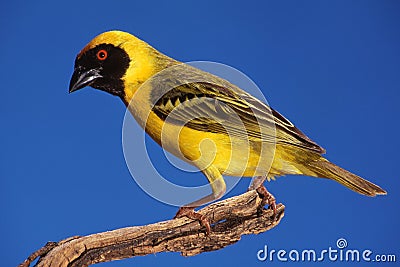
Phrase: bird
x=248 y=138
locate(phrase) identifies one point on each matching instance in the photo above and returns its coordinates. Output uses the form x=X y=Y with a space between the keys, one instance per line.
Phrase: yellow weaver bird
x=249 y=138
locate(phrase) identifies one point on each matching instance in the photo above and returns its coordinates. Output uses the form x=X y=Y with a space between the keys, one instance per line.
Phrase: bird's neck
x=141 y=72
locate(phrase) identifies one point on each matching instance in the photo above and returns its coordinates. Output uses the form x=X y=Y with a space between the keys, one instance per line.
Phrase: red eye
x=102 y=54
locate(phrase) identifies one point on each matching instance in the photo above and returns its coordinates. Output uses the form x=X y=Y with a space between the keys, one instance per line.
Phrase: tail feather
x=325 y=169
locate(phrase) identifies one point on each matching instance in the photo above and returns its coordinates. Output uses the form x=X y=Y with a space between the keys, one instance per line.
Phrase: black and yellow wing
x=214 y=105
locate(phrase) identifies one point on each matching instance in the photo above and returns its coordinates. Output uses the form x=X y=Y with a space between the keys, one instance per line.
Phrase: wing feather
x=221 y=107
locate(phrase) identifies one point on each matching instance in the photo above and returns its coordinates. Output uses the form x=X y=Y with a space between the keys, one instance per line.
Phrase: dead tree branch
x=230 y=219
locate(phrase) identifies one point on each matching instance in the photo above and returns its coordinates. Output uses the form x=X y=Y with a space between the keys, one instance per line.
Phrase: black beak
x=82 y=78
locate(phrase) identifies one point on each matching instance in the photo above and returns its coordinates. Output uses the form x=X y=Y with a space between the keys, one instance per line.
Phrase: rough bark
x=230 y=219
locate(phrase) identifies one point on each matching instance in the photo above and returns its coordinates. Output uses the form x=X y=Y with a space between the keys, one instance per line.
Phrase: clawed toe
x=191 y=214
x=267 y=198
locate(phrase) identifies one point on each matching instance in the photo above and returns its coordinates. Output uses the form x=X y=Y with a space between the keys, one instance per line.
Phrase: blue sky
x=331 y=67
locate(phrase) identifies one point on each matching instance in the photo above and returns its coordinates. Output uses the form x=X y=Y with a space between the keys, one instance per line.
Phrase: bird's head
x=116 y=62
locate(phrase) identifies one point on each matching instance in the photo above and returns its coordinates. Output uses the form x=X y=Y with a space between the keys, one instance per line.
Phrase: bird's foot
x=191 y=214
x=267 y=198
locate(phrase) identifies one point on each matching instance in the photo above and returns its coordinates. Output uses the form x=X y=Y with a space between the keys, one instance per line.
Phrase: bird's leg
x=256 y=182
x=267 y=197
x=218 y=189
